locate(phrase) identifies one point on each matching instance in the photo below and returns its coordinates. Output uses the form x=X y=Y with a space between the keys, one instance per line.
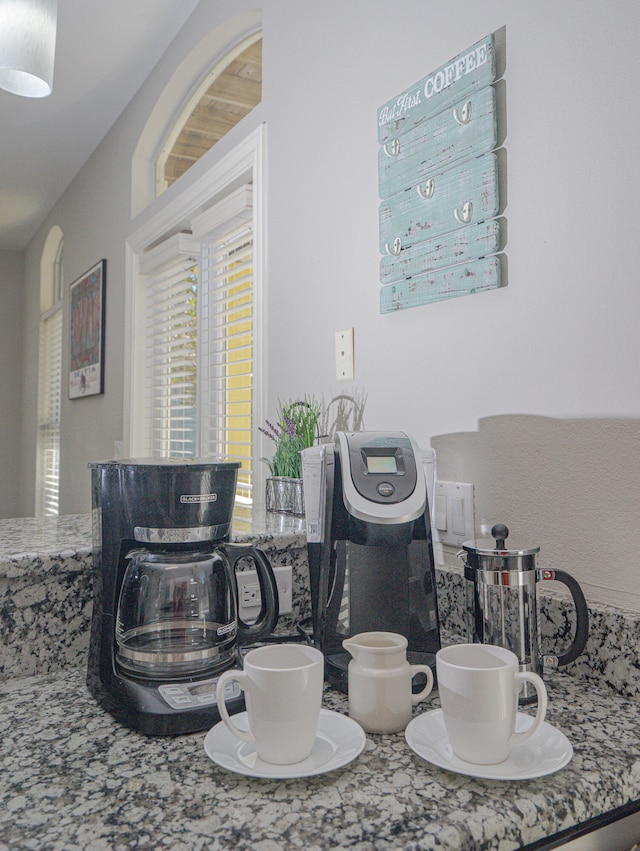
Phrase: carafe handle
x=582 y=617
x=269 y=608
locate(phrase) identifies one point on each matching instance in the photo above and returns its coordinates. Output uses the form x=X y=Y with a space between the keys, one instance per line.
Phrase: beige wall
x=530 y=392
x=570 y=486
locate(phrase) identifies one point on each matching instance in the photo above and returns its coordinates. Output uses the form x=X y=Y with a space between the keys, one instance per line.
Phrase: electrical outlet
x=345 y=370
x=249 y=598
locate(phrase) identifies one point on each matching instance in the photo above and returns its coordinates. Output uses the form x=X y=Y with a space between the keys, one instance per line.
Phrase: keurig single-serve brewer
x=165 y=614
x=371 y=563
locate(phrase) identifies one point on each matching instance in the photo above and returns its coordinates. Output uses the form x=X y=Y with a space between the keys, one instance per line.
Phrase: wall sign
x=438 y=181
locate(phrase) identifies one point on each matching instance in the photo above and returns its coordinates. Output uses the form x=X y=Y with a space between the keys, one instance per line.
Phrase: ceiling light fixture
x=27 y=46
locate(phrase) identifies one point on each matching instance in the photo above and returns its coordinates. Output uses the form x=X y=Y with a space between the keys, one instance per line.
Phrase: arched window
x=196 y=286
x=49 y=376
x=227 y=94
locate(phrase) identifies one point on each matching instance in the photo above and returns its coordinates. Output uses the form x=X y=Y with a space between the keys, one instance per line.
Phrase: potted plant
x=295 y=430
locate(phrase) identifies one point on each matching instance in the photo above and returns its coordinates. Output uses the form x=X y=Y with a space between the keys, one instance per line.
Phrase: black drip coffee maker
x=165 y=611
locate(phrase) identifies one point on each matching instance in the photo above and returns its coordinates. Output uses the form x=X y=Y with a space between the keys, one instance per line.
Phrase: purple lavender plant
x=295 y=431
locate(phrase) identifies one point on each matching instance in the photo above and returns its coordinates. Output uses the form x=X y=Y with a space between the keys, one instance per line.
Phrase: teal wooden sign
x=465 y=279
x=438 y=179
x=472 y=69
x=465 y=194
x=468 y=128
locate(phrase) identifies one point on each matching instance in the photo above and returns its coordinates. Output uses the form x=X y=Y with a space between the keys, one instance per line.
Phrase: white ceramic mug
x=283 y=693
x=379 y=676
x=478 y=686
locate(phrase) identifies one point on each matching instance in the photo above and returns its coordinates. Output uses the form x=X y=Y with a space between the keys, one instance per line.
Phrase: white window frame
x=245 y=163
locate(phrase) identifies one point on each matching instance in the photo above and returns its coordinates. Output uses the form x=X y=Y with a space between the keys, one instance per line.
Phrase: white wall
x=535 y=347
x=557 y=347
x=11 y=290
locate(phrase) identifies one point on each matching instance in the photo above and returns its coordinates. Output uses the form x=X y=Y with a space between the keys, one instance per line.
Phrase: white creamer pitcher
x=379 y=675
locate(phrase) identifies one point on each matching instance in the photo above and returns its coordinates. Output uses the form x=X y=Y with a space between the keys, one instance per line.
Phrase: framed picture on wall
x=86 y=367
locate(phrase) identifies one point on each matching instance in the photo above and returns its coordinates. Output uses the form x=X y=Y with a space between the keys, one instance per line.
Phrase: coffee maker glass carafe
x=176 y=614
x=501 y=603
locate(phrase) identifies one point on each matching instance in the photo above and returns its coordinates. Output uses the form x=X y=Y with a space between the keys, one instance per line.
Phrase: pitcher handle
x=426 y=691
x=582 y=616
x=269 y=608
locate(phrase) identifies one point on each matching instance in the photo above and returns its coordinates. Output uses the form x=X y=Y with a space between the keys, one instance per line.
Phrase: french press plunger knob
x=500 y=533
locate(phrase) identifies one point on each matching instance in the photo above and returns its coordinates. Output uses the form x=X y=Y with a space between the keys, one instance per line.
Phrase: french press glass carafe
x=501 y=605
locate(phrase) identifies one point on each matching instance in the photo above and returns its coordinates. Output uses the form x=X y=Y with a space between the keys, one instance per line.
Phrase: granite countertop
x=30 y=545
x=50 y=545
x=46 y=583
x=72 y=778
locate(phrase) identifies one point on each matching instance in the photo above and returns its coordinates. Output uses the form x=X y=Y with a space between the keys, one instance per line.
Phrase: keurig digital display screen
x=382 y=464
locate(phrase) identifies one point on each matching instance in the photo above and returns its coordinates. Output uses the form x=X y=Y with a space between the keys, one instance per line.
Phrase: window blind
x=226 y=315
x=49 y=384
x=171 y=348
x=200 y=338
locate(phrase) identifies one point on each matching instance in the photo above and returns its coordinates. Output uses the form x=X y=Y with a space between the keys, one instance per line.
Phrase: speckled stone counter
x=46 y=584
x=46 y=587
x=71 y=779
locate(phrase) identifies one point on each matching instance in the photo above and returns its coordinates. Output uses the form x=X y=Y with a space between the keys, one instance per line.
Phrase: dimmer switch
x=457 y=515
x=440 y=513
x=454 y=513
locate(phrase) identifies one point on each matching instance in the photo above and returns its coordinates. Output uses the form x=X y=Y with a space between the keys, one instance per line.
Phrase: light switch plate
x=345 y=370
x=454 y=514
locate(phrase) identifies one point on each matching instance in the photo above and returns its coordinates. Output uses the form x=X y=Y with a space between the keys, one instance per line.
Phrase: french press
x=501 y=606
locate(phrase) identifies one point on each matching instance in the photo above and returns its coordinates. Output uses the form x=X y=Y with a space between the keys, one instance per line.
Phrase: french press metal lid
x=493 y=554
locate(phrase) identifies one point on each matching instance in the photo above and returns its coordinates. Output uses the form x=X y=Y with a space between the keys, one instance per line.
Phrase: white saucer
x=339 y=740
x=548 y=751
